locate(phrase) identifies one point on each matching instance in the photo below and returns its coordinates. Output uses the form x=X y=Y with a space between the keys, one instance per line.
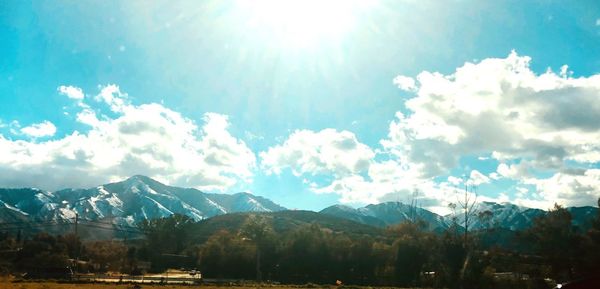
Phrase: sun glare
x=304 y=23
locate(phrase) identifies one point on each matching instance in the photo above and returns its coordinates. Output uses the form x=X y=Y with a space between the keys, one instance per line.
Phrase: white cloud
x=42 y=129
x=454 y=180
x=405 y=83
x=514 y=171
x=497 y=109
x=389 y=181
x=325 y=152
x=598 y=22
x=494 y=176
x=252 y=136
x=499 y=106
x=148 y=139
x=573 y=188
x=355 y=174
x=477 y=178
x=113 y=97
x=71 y=92
x=564 y=71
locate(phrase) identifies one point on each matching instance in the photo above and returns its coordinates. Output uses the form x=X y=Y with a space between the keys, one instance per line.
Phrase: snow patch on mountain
x=67 y=214
x=127 y=202
x=217 y=206
x=13 y=208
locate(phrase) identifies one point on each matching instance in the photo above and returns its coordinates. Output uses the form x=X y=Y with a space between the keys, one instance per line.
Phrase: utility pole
x=76 y=243
x=76 y=221
x=123 y=259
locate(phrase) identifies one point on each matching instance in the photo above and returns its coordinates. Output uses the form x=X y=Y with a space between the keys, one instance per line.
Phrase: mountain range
x=123 y=203
x=503 y=215
x=138 y=198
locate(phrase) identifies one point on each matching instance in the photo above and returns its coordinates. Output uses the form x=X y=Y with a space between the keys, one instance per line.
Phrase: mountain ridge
x=137 y=198
x=504 y=215
x=126 y=202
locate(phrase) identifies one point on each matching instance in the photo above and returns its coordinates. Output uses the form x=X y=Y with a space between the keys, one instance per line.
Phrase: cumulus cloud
x=325 y=152
x=147 y=139
x=454 y=180
x=499 y=107
x=574 y=188
x=514 y=171
x=355 y=175
x=71 y=92
x=405 y=82
x=113 y=97
x=37 y=130
x=477 y=178
x=388 y=181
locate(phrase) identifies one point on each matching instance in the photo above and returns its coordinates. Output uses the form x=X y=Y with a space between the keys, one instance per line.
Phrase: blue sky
x=301 y=102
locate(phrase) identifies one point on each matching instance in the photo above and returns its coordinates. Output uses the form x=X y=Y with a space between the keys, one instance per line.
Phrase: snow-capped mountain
x=504 y=215
x=124 y=203
x=386 y=214
x=138 y=198
x=352 y=214
x=516 y=218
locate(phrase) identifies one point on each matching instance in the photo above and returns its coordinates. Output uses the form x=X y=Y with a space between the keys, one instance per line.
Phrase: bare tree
x=414 y=206
x=468 y=205
x=257 y=229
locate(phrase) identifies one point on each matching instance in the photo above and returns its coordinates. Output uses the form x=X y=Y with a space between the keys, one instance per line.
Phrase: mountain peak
x=139 y=178
x=126 y=202
x=338 y=208
x=142 y=182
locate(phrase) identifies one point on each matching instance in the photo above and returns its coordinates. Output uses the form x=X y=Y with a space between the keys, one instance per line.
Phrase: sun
x=303 y=23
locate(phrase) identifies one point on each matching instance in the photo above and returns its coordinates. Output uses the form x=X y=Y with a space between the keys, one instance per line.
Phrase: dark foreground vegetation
x=297 y=248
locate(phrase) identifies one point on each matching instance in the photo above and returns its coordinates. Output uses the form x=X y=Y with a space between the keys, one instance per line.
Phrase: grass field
x=7 y=284
x=54 y=285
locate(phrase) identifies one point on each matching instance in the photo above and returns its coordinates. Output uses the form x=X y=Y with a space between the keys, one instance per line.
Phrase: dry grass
x=8 y=283
x=4 y=284
x=55 y=285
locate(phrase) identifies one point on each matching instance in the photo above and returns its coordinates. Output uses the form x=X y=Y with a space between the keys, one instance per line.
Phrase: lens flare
x=303 y=23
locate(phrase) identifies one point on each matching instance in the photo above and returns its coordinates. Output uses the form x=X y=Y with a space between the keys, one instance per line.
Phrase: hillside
x=282 y=222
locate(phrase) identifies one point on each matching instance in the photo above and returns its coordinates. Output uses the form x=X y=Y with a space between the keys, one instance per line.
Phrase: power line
x=41 y=224
x=29 y=223
x=113 y=224
x=34 y=226
x=33 y=221
x=37 y=224
x=114 y=229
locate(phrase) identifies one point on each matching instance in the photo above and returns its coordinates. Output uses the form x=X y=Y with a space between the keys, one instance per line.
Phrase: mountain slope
x=352 y=214
x=283 y=221
x=386 y=214
x=124 y=203
x=505 y=216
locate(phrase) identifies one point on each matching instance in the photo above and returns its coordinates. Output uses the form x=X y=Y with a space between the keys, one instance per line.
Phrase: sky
x=308 y=103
